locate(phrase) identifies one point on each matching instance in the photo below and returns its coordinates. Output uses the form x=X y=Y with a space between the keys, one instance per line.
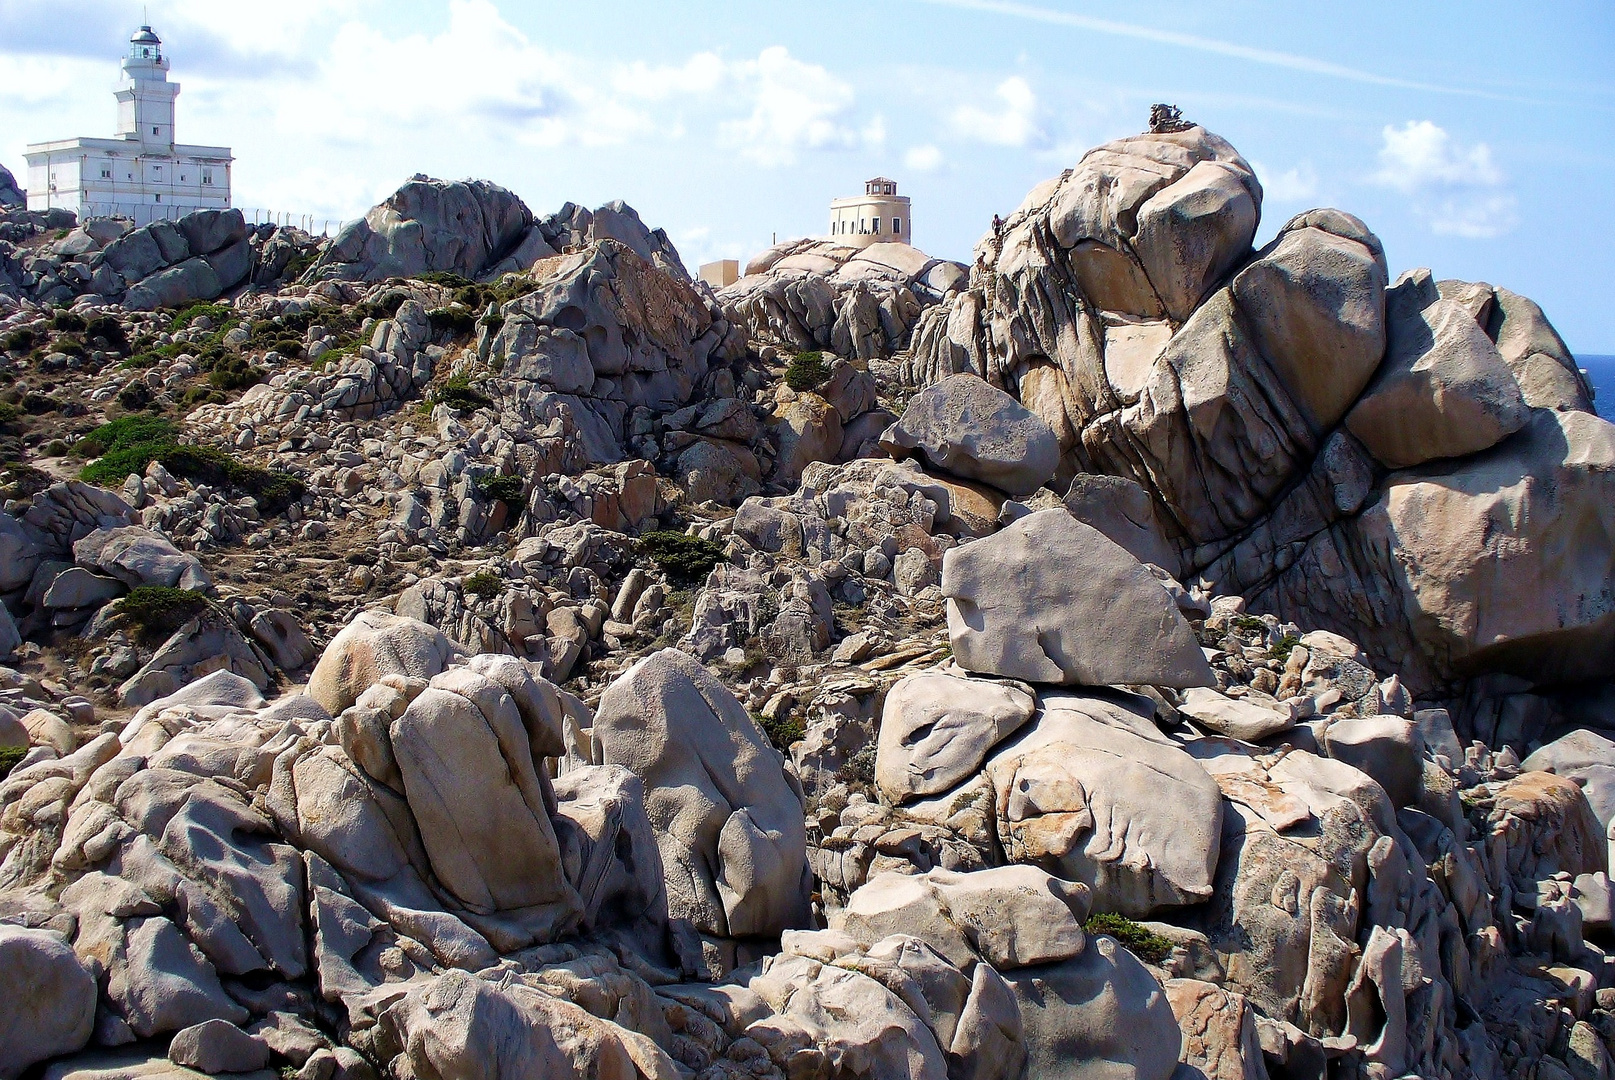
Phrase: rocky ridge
x=495 y=651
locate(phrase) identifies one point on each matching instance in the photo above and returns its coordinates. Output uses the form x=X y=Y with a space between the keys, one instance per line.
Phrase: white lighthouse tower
x=143 y=173
x=146 y=98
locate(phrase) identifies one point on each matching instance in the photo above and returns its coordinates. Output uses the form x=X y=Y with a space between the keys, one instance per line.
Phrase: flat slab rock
x=1236 y=719
x=1052 y=600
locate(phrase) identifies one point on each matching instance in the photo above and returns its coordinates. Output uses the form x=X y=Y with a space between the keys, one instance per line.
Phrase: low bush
x=483 y=583
x=447 y=278
x=123 y=432
x=9 y=412
x=233 y=372
x=455 y=319
x=384 y=306
x=19 y=340
x=1142 y=942
x=859 y=771
x=152 y=612
x=807 y=372
x=184 y=317
x=135 y=396
x=108 y=329
x=782 y=732
x=509 y=490
x=1284 y=646
x=457 y=393
x=201 y=395
x=685 y=559
x=299 y=265
x=142 y=440
x=68 y=322
x=9 y=756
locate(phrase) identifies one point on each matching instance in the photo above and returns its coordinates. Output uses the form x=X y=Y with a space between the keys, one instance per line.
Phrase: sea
x=1601 y=373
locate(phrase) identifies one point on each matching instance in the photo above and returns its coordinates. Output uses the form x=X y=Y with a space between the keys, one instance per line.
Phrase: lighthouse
x=143 y=172
x=879 y=216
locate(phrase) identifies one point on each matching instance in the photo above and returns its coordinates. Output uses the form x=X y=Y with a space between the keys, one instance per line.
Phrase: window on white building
x=897 y=225
x=154 y=131
x=157 y=198
x=106 y=172
x=877 y=226
x=207 y=176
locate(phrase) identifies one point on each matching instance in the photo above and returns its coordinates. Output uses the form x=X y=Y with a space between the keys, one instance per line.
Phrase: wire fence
x=146 y=213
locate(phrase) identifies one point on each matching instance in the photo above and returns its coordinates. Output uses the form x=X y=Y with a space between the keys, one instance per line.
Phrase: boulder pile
x=468 y=647
x=856 y=302
x=1314 y=436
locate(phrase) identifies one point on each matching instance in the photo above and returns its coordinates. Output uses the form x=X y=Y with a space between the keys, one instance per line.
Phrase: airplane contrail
x=1271 y=57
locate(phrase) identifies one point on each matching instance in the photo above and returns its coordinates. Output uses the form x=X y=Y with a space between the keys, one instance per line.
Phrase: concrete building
x=720 y=273
x=879 y=216
x=141 y=172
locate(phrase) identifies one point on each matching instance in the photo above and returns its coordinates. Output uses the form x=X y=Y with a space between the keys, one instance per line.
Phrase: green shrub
x=234 y=373
x=37 y=404
x=1142 y=942
x=509 y=490
x=483 y=583
x=142 y=361
x=201 y=395
x=299 y=265
x=447 y=278
x=455 y=320
x=1284 y=646
x=9 y=756
x=9 y=412
x=138 y=447
x=19 y=340
x=807 y=372
x=859 y=771
x=135 y=396
x=217 y=313
x=782 y=732
x=109 y=329
x=384 y=306
x=685 y=559
x=68 y=322
x=153 y=612
x=54 y=448
x=123 y=432
x=289 y=347
x=457 y=393
x=338 y=353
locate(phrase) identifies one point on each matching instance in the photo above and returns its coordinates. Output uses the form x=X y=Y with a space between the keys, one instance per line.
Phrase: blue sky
x=1477 y=138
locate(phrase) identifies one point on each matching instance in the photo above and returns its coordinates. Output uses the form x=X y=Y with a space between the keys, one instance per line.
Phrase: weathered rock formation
x=815 y=294
x=1311 y=439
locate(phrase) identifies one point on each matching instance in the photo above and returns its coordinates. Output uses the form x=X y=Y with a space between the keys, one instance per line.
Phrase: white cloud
x=922 y=158
x=1014 y=124
x=1294 y=185
x=1419 y=155
x=795 y=106
x=1459 y=190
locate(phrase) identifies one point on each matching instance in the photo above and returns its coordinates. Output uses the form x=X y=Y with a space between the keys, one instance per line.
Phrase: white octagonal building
x=879 y=216
x=142 y=172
